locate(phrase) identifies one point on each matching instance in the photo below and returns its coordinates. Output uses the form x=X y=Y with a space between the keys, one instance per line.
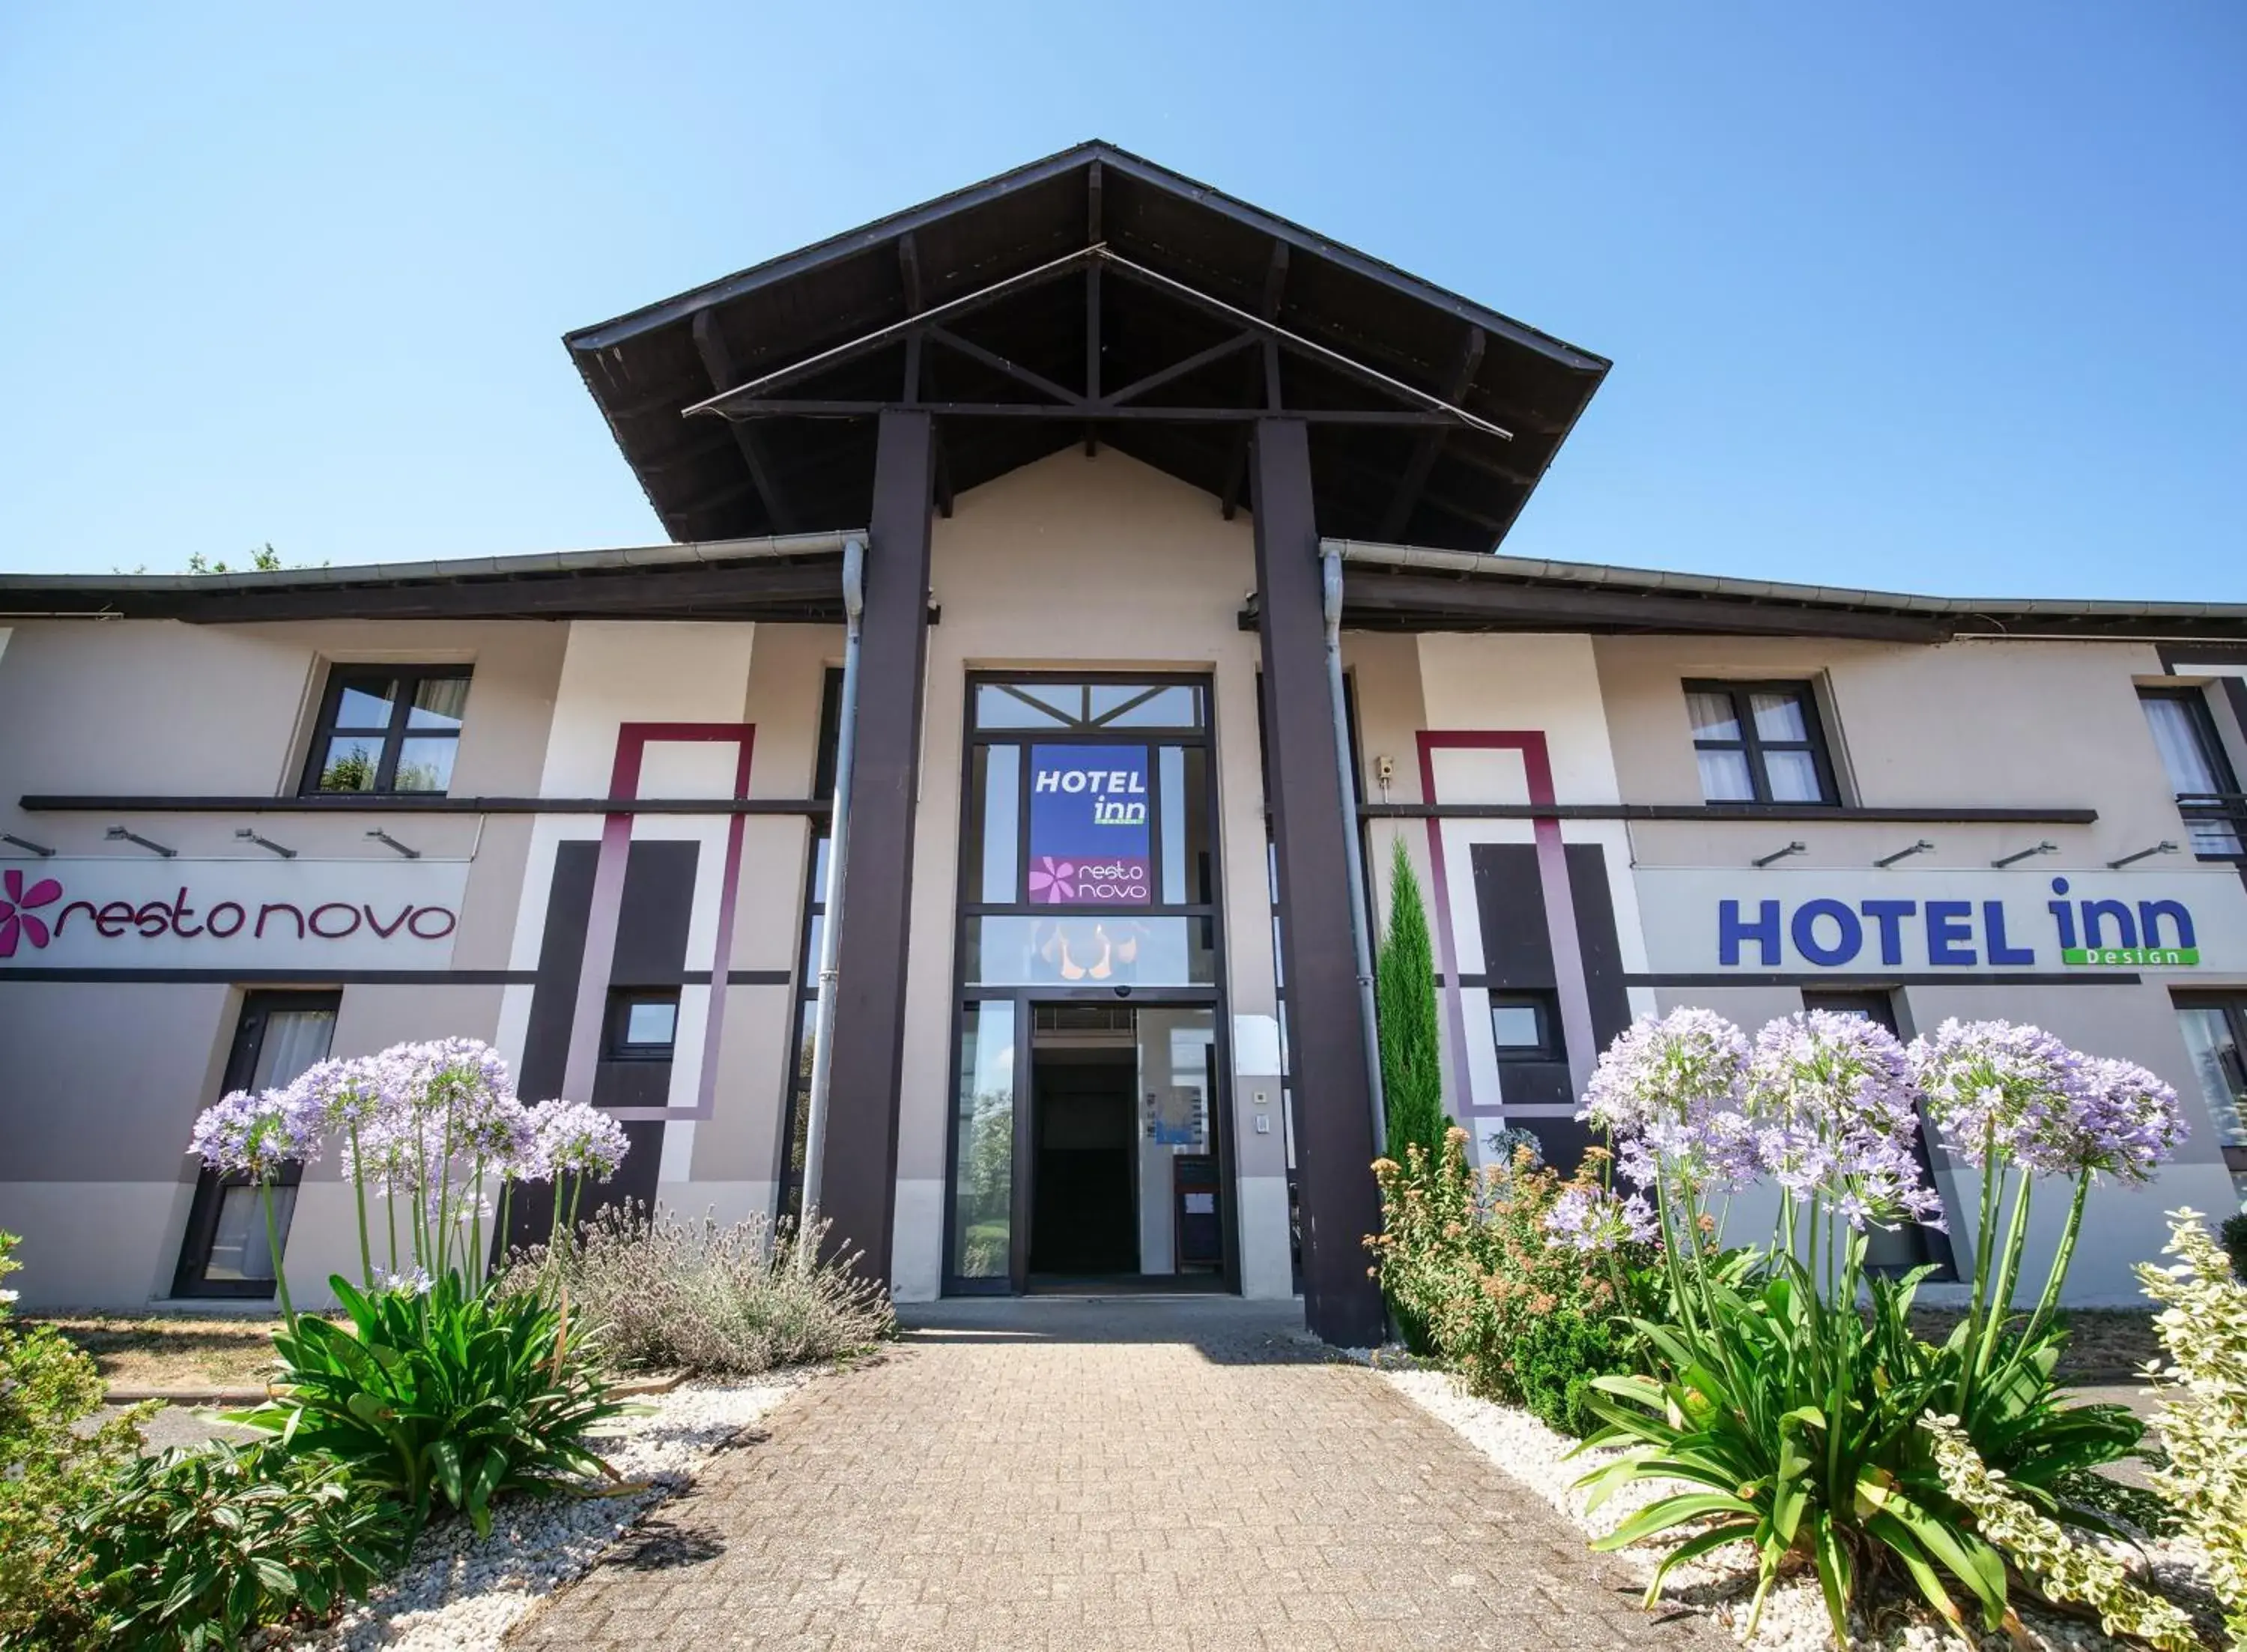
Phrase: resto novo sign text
x=123 y=914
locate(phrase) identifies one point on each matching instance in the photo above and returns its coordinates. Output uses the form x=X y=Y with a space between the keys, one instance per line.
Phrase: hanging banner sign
x=1809 y=920
x=110 y=912
x=1088 y=826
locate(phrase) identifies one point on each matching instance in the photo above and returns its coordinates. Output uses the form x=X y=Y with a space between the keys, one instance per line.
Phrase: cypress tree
x=1405 y=1001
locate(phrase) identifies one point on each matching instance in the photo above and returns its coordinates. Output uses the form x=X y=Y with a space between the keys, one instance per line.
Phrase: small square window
x=1524 y=1026
x=388 y=728
x=1760 y=743
x=643 y=1026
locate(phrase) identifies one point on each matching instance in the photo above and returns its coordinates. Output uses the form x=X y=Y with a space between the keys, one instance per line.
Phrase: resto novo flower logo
x=16 y=919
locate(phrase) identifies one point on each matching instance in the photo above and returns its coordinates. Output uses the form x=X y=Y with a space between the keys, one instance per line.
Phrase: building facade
x=1096 y=1013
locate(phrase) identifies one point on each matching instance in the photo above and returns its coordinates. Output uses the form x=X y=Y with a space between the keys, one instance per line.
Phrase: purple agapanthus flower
x=2130 y=1122
x=1593 y=1220
x=576 y=1139
x=1836 y=1111
x=254 y=1134
x=339 y=1094
x=1670 y=1093
x=2003 y=1089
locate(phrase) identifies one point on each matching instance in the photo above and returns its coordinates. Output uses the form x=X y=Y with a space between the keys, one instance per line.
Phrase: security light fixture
x=117 y=834
x=26 y=845
x=2044 y=848
x=249 y=835
x=1796 y=847
x=382 y=837
x=2165 y=847
x=1919 y=848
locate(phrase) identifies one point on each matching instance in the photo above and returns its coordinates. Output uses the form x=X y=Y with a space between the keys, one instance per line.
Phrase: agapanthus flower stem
x=2048 y=1301
x=390 y=1214
x=420 y=1228
x=444 y=1199
x=2009 y=1272
x=474 y=1258
x=273 y=1249
x=1985 y=1239
x=359 y=1200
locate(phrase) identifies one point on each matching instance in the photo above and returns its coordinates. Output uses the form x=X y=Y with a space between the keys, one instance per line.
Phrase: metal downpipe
x=1360 y=920
x=838 y=843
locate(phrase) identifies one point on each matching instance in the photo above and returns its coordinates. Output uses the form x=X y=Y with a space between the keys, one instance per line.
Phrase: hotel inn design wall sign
x=1810 y=921
x=113 y=913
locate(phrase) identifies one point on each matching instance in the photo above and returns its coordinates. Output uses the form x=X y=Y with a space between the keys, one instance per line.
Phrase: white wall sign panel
x=113 y=913
x=1813 y=920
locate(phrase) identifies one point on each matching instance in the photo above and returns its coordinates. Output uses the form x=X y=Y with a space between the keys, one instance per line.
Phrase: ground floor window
x=2216 y=1034
x=226 y=1252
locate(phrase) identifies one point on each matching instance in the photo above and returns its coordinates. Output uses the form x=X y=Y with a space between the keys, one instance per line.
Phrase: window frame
x=1551 y=1045
x=190 y=1278
x=1752 y=746
x=796 y=1092
x=2202 y=716
x=2232 y=1005
x=345 y=675
x=616 y=1043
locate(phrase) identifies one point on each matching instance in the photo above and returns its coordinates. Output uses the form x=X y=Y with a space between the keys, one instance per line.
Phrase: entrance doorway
x=1086 y=1133
x=1090 y=1151
x=1083 y=1216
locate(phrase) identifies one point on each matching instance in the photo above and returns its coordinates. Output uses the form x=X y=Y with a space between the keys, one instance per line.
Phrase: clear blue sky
x=1936 y=298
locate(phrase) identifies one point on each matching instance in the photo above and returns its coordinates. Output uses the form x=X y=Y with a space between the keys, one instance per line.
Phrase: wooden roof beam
x=1236 y=468
x=1431 y=443
x=718 y=363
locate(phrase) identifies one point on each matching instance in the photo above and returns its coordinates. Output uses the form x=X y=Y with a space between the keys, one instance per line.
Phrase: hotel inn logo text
x=2073 y=931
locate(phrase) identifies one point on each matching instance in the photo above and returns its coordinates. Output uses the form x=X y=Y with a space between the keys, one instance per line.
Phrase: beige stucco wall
x=1970 y=724
x=104 y=1078
x=2025 y=725
x=1096 y=564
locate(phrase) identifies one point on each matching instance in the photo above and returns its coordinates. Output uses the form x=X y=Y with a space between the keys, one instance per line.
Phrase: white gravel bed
x=1721 y=1583
x=460 y=1592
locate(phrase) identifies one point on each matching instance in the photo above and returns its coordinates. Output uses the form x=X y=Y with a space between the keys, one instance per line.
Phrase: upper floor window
x=388 y=728
x=2201 y=775
x=1760 y=743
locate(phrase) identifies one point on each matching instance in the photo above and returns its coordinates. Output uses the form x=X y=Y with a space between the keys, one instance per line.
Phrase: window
x=642 y=1024
x=2199 y=773
x=1526 y=1027
x=1760 y=743
x=388 y=728
x=2216 y=1036
x=1089 y=705
x=226 y=1252
x=795 y=1118
x=1900 y=1249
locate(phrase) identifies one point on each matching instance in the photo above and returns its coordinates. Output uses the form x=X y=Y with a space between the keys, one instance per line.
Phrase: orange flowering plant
x=1518 y=1278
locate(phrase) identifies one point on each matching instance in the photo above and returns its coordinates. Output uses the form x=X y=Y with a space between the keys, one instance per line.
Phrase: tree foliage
x=1404 y=1000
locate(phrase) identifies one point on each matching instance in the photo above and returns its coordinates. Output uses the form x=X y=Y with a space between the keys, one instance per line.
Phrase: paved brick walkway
x=1080 y=1476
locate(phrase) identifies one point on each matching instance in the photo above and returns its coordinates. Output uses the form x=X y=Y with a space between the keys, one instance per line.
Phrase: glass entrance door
x=1088 y=1148
x=1085 y=1138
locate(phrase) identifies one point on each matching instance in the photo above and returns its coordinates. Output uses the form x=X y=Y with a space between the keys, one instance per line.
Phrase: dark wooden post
x=859 y=1180
x=1333 y=1120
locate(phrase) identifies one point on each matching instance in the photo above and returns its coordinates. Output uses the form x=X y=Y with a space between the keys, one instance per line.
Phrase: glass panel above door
x=1090 y=706
x=1089 y=949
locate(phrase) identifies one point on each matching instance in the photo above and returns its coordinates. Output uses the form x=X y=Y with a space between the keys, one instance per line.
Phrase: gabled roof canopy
x=1114 y=270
